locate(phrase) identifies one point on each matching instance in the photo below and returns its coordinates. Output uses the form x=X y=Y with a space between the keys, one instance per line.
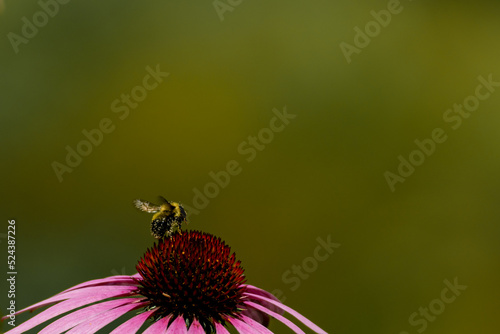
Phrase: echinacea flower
x=187 y=283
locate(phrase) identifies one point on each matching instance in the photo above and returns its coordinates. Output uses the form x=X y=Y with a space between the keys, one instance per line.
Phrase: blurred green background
x=322 y=176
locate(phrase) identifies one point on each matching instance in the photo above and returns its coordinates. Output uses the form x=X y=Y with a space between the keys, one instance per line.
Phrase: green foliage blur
x=320 y=174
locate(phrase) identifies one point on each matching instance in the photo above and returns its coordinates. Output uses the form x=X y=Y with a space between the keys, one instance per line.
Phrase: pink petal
x=277 y=316
x=297 y=315
x=58 y=309
x=242 y=327
x=178 y=326
x=261 y=317
x=257 y=315
x=159 y=327
x=49 y=313
x=256 y=325
x=112 y=280
x=264 y=293
x=97 y=322
x=132 y=325
x=219 y=329
x=96 y=293
x=196 y=328
x=77 y=317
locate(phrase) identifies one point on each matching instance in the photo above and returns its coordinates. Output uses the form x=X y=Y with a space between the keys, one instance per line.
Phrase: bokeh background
x=321 y=177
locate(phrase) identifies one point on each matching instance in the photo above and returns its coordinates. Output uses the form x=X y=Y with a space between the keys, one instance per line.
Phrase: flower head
x=187 y=283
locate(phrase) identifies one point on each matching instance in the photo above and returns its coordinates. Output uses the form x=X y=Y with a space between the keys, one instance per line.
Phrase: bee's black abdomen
x=159 y=227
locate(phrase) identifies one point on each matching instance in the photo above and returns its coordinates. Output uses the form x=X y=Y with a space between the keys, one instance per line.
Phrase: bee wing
x=163 y=201
x=146 y=206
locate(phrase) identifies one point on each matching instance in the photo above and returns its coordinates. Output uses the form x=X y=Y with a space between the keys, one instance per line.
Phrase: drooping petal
x=261 y=317
x=219 y=329
x=75 y=318
x=243 y=327
x=277 y=316
x=178 y=326
x=112 y=280
x=108 y=290
x=264 y=293
x=196 y=328
x=159 y=327
x=256 y=325
x=297 y=315
x=50 y=313
x=92 y=293
x=61 y=308
x=98 y=321
x=132 y=325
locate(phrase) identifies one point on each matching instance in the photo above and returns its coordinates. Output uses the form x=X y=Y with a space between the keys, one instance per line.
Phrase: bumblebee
x=167 y=219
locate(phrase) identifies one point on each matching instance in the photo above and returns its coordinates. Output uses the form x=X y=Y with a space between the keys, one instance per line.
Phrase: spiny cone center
x=193 y=275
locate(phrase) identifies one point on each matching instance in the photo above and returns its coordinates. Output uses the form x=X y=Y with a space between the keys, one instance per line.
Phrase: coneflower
x=186 y=283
